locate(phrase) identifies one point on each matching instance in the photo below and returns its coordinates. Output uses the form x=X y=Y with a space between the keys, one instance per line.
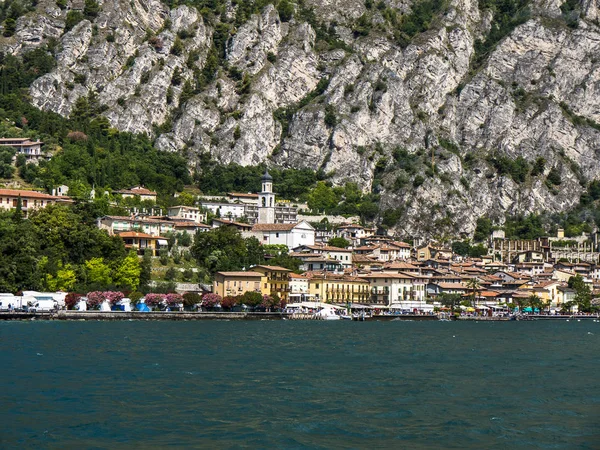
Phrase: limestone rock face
x=422 y=124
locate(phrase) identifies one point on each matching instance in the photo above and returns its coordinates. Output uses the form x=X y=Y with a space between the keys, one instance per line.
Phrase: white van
x=43 y=306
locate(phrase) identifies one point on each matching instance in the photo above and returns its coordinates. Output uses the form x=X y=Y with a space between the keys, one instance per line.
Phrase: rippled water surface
x=282 y=384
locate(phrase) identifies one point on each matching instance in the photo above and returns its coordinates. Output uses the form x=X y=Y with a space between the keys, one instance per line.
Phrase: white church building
x=268 y=232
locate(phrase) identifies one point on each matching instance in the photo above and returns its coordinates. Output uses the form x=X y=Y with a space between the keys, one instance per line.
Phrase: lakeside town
x=550 y=275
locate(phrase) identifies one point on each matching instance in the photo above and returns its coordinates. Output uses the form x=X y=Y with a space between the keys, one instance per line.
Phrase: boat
x=327 y=314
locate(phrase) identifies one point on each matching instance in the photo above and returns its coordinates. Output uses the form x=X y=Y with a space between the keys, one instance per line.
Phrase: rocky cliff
x=447 y=123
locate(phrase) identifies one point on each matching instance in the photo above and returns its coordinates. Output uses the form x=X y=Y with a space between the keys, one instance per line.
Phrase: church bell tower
x=266 y=200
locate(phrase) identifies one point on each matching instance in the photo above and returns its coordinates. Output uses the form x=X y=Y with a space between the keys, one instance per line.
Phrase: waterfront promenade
x=178 y=316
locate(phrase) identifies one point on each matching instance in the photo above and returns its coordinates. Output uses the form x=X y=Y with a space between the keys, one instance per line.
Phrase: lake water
x=300 y=384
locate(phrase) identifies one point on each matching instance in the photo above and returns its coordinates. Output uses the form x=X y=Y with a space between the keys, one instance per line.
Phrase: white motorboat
x=327 y=314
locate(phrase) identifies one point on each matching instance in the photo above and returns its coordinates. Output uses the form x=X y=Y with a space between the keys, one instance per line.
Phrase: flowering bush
x=228 y=302
x=155 y=299
x=174 y=299
x=72 y=299
x=113 y=297
x=211 y=300
x=94 y=299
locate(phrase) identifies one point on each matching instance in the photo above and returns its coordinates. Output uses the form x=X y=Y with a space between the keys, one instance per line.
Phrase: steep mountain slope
x=445 y=109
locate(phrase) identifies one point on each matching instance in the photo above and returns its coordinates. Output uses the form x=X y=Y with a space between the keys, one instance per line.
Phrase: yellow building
x=274 y=280
x=233 y=284
x=333 y=288
x=142 y=241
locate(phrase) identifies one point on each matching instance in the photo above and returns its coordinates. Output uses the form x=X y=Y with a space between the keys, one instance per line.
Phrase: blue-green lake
x=288 y=384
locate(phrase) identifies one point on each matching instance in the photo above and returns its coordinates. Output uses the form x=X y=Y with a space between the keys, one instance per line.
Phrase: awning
x=162 y=242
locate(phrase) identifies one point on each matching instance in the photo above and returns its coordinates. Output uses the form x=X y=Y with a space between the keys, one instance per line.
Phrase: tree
x=583 y=293
x=128 y=273
x=474 y=285
x=535 y=302
x=339 y=242
x=98 y=272
x=223 y=249
x=64 y=280
x=71 y=299
x=251 y=298
x=191 y=299
x=450 y=300
x=229 y=302
x=483 y=229
x=322 y=198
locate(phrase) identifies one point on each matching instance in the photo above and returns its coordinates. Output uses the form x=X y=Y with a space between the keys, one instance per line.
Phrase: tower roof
x=267 y=176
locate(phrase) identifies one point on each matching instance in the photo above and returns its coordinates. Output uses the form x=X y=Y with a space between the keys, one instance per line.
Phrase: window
x=265 y=238
x=276 y=235
x=317 y=285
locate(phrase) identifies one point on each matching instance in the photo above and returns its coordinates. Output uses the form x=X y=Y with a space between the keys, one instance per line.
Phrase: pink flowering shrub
x=174 y=299
x=95 y=299
x=155 y=299
x=211 y=300
x=113 y=297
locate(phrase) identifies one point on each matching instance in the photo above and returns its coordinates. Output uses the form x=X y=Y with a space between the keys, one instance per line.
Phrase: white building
x=186 y=213
x=30 y=200
x=299 y=287
x=388 y=288
x=341 y=255
x=291 y=234
x=137 y=191
x=225 y=210
x=25 y=146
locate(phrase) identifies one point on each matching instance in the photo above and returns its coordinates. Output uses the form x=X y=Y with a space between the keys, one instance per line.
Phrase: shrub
x=155 y=299
x=330 y=118
x=211 y=300
x=177 y=48
x=251 y=298
x=554 y=177
x=72 y=299
x=113 y=297
x=171 y=274
x=190 y=299
x=135 y=297
x=94 y=299
x=174 y=299
x=229 y=302
x=73 y=18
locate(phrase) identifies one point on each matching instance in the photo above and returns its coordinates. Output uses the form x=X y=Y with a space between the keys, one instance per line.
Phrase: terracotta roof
x=19 y=141
x=190 y=225
x=138 y=219
x=232 y=222
x=399 y=275
x=241 y=274
x=26 y=194
x=241 y=194
x=278 y=268
x=350 y=226
x=400 y=244
x=136 y=191
x=328 y=248
x=298 y=277
x=451 y=285
x=401 y=265
x=274 y=226
x=135 y=234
